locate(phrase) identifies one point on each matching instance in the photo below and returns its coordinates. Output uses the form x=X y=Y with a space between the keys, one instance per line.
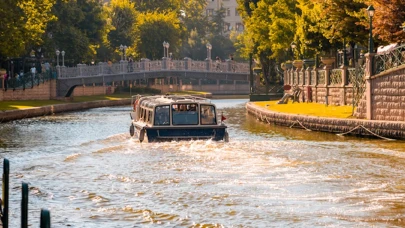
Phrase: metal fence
x=125 y=67
x=389 y=59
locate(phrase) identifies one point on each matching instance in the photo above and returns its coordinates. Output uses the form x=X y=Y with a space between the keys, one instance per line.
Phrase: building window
x=236 y=12
x=227 y=27
x=239 y=27
x=210 y=12
x=228 y=12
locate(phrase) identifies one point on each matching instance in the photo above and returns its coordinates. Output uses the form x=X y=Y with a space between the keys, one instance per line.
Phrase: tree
x=341 y=20
x=157 y=5
x=22 y=25
x=196 y=24
x=388 y=20
x=152 y=29
x=78 y=30
x=122 y=17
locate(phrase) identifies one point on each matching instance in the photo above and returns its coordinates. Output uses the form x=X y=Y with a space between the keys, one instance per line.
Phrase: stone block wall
x=93 y=90
x=43 y=91
x=387 y=96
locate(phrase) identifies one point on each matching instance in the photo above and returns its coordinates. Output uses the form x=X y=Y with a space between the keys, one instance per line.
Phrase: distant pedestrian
x=130 y=65
x=33 y=72
x=5 y=81
x=218 y=64
x=109 y=66
x=47 y=68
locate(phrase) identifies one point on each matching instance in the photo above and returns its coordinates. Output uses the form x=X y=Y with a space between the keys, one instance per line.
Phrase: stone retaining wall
x=41 y=91
x=387 y=92
x=10 y=115
x=388 y=129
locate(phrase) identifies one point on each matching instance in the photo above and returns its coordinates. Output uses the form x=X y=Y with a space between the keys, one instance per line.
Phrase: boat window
x=208 y=115
x=162 y=115
x=184 y=114
x=149 y=117
x=143 y=116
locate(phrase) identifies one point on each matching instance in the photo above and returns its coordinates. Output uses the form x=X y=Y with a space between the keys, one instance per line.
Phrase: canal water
x=86 y=169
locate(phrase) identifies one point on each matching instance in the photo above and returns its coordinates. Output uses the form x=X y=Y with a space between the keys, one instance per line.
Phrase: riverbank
x=10 y=115
x=341 y=126
x=15 y=110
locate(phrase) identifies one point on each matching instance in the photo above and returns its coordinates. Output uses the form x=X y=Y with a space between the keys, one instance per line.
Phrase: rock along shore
x=10 y=115
x=359 y=127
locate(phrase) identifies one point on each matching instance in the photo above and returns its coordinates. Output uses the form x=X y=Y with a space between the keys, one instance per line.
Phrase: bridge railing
x=125 y=67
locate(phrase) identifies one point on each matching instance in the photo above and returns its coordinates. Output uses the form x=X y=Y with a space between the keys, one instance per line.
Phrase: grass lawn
x=311 y=109
x=12 y=105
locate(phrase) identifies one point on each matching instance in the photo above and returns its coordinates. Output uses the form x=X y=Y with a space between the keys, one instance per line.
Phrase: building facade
x=232 y=19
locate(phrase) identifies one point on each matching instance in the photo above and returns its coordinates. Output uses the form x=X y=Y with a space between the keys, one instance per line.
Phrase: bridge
x=229 y=72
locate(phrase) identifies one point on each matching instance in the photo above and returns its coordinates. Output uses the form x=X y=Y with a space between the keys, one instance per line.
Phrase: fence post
x=45 y=219
x=24 y=206
x=6 y=182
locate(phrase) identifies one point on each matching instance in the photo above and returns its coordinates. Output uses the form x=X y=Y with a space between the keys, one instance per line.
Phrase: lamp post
x=209 y=47
x=63 y=58
x=125 y=52
x=370 y=11
x=293 y=47
x=164 y=49
x=121 y=49
x=166 y=46
x=57 y=52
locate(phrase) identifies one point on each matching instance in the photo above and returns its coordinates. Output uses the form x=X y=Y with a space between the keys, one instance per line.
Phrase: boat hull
x=157 y=134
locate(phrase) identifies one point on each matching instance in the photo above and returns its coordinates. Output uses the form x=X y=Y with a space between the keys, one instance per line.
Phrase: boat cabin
x=174 y=112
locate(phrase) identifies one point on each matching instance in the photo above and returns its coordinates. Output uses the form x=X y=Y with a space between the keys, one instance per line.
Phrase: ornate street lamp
x=293 y=47
x=167 y=48
x=164 y=49
x=57 y=52
x=121 y=49
x=125 y=52
x=63 y=58
x=209 y=47
x=370 y=11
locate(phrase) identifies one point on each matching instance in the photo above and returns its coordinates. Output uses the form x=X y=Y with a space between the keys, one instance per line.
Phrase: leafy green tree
x=122 y=18
x=22 y=25
x=257 y=20
x=341 y=20
x=157 y=5
x=222 y=46
x=282 y=27
x=196 y=24
x=153 y=28
x=78 y=30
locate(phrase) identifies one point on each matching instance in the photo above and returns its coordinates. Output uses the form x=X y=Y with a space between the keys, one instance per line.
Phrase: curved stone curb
x=10 y=115
x=388 y=129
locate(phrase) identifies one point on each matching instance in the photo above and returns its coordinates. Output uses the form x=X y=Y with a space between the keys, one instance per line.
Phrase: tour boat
x=176 y=117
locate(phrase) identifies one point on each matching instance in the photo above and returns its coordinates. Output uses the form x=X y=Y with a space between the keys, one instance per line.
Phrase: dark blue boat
x=173 y=117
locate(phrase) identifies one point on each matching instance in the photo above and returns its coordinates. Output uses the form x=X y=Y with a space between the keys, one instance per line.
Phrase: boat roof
x=151 y=101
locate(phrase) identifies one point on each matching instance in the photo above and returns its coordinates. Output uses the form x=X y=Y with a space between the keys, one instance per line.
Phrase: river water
x=86 y=169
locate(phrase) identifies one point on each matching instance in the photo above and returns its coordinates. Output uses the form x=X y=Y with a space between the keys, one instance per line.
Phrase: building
x=232 y=19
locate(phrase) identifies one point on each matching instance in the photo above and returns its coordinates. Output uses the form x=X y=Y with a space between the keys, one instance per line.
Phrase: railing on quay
x=324 y=77
x=45 y=219
x=125 y=67
x=389 y=59
x=27 y=80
